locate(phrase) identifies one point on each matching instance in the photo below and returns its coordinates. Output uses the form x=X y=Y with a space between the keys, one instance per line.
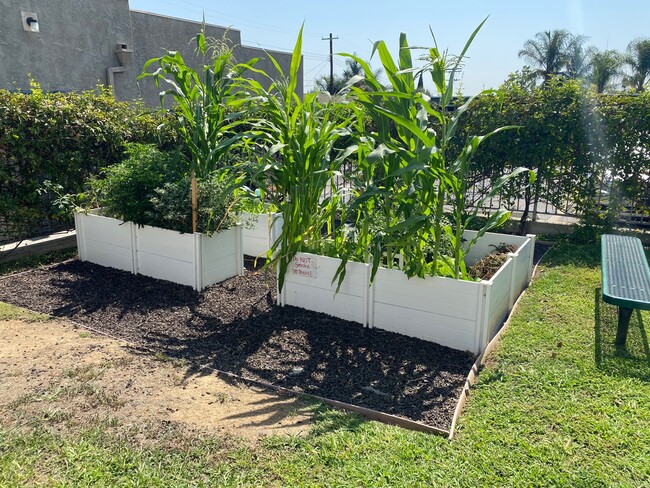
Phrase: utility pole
x=331 y=39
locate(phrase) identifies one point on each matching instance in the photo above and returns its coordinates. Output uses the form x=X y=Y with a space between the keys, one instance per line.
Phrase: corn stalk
x=299 y=161
x=408 y=177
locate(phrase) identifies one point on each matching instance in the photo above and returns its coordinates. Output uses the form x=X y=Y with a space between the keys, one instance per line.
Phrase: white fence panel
x=105 y=241
x=459 y=314
x=188 y=259
x=499 y=302
x=523 y=258
x=308 y=284
x=221 y=256
x=437 y=309
x=256 y=231
x=166 y=255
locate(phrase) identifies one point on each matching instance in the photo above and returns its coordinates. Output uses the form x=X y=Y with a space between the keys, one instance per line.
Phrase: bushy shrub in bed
x=151 y=187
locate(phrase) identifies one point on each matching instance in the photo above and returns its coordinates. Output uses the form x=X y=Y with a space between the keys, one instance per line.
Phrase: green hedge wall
x=577 y=140
x=64 y=138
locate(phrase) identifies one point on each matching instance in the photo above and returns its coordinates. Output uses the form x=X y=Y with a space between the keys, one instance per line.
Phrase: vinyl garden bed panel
x=194 y=260
x=460 y=314
x=256 y=233
x=308 y=284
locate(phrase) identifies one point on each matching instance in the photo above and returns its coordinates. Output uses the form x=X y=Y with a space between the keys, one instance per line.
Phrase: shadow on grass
x=571 y=254
x=633 y=360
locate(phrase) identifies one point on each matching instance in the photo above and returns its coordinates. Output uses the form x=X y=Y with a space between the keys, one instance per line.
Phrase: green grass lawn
x=557 y=405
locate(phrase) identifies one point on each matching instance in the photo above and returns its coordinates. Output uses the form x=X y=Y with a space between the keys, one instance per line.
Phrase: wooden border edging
x=366 y=412
x=478 y=364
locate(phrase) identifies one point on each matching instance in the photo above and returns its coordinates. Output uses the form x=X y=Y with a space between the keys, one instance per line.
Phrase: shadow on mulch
x=235 y=326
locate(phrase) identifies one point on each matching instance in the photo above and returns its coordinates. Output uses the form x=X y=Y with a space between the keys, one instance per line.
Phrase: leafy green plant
x=151 y=188
x=574 y=138
x=218 y=207
x=64 y=138
x=207 y=104
x=126 y=190
x=255 y=201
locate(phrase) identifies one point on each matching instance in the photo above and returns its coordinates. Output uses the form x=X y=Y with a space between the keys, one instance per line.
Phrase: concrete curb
x=38 y=246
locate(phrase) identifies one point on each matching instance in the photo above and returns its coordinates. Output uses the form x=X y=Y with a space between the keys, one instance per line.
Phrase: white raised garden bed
x=188 y=259
x=463 y=315
x=256 y=233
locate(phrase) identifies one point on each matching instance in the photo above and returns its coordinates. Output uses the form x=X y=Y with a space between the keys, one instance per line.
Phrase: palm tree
x=323 y=84
x=352 y=69
x=638 y=60
x=577 y=58
x=547 y=53
x=605 y=67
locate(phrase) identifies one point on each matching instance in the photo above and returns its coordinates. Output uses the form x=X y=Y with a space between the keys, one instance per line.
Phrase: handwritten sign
x=305 y=266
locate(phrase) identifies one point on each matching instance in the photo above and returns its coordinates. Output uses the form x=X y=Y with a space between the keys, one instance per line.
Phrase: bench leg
x=624 y=315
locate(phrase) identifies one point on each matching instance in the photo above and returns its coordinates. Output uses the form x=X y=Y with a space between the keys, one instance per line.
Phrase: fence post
x=198 y=264
x=535 y=202
x=531 y=259
x=135 y=265
x=81 y=245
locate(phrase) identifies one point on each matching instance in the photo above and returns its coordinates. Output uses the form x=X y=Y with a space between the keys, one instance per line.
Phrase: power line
x=239 y=20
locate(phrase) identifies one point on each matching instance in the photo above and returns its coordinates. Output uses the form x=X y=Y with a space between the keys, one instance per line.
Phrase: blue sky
x=493 y=55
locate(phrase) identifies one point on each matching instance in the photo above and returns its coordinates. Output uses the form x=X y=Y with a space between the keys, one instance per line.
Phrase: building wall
x=78 y=39
x=245 y=53
x=155 y=34
x=75 y=45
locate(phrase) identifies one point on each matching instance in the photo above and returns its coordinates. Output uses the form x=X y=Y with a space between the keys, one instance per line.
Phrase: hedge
x=63 y=138
x=576 y=139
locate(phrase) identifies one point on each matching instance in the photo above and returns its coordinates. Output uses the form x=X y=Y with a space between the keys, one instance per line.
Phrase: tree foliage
x=548 y=53
x=605 y=68
x=638 y=61
x=353 y=69
x=561 y=53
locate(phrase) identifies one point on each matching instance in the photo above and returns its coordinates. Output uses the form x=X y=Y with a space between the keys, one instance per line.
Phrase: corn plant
x=456 y=171
x=207 y=102
x=408 y=175
x=206 y=105
x=299 y=162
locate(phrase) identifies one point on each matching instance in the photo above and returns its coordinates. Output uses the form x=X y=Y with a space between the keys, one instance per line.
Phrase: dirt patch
x=75 y=378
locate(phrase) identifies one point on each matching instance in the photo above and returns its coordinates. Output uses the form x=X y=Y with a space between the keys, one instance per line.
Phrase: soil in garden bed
x=235 y=326
x=486 y=268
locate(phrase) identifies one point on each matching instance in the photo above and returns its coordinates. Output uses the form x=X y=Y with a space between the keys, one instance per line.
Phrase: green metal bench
x=626 y=279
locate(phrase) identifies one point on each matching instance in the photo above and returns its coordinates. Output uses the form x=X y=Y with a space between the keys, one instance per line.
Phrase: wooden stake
x=195 y=205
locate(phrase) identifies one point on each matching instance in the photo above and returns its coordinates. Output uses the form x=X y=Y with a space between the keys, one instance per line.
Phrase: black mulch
x=235 y=326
